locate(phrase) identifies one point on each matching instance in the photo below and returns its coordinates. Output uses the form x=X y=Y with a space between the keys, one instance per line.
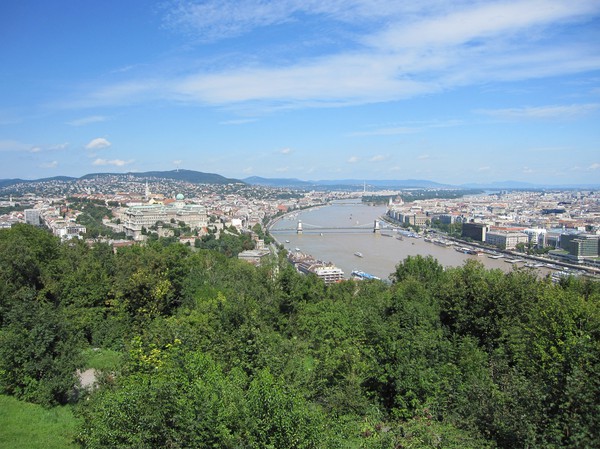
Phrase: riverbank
x=550 y=263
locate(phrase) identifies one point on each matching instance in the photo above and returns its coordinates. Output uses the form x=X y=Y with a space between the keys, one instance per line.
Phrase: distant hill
x=10 y=182
x=520 y=185
x=277 y=182
x=192 y=176
x=345 y=183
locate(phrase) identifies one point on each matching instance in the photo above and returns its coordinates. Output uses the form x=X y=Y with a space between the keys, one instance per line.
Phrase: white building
x=138 y=217
x=506 y=239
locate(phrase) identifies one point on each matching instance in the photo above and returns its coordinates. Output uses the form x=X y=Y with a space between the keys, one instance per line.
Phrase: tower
x=376 y=228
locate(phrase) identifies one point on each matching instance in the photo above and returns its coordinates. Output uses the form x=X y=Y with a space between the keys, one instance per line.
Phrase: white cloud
x=484 y=168
x=423 y=156
x=115 y=162
x=377 y=158
x=528 y=171
x=353 y=159
x=87 y=120
x=35 y=149
x=542 y=112
x=594 y=166
x=282 y=169
x=285 y=151
x=472 y=21
x=424 y=47
x=98 y=144
x=52 y=164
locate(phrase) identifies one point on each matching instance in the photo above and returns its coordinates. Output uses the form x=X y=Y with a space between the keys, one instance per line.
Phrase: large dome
x=179 y=197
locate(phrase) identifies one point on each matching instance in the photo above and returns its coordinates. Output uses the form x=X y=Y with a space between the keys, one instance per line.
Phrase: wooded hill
x=219 y=354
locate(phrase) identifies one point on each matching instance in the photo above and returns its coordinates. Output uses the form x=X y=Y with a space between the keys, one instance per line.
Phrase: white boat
x=358 y=254
x=361 y=275
x=287 y=241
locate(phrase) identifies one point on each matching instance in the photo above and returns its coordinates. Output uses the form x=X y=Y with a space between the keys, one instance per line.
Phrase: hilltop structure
x=145 y=216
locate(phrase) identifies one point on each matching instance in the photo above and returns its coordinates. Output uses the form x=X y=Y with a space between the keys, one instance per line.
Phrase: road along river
x=337 y=232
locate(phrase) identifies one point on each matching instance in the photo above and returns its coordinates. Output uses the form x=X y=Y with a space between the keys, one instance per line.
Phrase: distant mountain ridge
x=345 y=183
x=10 y=182
x=192 y=176
x=197 y=177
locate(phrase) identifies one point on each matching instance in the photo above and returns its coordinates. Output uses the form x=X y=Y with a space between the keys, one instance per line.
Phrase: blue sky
x=451 y=91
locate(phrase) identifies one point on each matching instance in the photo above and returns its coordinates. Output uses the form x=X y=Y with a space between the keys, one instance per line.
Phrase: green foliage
x=452 y=229
x=92 y=214
x=424 y=269
x=38 y=354
x=29 y=426
x=203 y=350
x=228 y=243
x=177 y=399
x=102 y=359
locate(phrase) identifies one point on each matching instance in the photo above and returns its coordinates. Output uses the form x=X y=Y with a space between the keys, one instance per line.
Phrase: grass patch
x=30 y=426
x=102 y=359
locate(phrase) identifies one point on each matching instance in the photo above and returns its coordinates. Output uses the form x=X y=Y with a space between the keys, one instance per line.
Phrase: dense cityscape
x=562 y=226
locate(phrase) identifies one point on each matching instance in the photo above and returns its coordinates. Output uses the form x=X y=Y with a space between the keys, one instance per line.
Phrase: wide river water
x=334 y=233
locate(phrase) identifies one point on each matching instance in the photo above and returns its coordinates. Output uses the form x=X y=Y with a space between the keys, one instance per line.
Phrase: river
x=334 y=233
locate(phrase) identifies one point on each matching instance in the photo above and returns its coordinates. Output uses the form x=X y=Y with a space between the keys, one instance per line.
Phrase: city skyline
x=472 y=92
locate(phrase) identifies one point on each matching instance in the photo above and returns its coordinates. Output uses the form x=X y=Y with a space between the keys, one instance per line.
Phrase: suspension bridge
x=302 y=227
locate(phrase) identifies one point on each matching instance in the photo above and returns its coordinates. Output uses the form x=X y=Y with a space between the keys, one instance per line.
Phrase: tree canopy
x=219 y=353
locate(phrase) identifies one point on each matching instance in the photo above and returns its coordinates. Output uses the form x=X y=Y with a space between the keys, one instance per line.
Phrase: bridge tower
x=299 y=228
x=376 y=228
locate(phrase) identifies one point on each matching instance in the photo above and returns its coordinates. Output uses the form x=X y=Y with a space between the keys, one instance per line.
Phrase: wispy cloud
x=115 y=162
x=378 y=158
x=282 y=169
x=98 y=144
x=14 y=145
x=285 y=151
x=422 y=48
x=542 y=112
x=353 y=159
x=594 y=166
x=87 y=120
